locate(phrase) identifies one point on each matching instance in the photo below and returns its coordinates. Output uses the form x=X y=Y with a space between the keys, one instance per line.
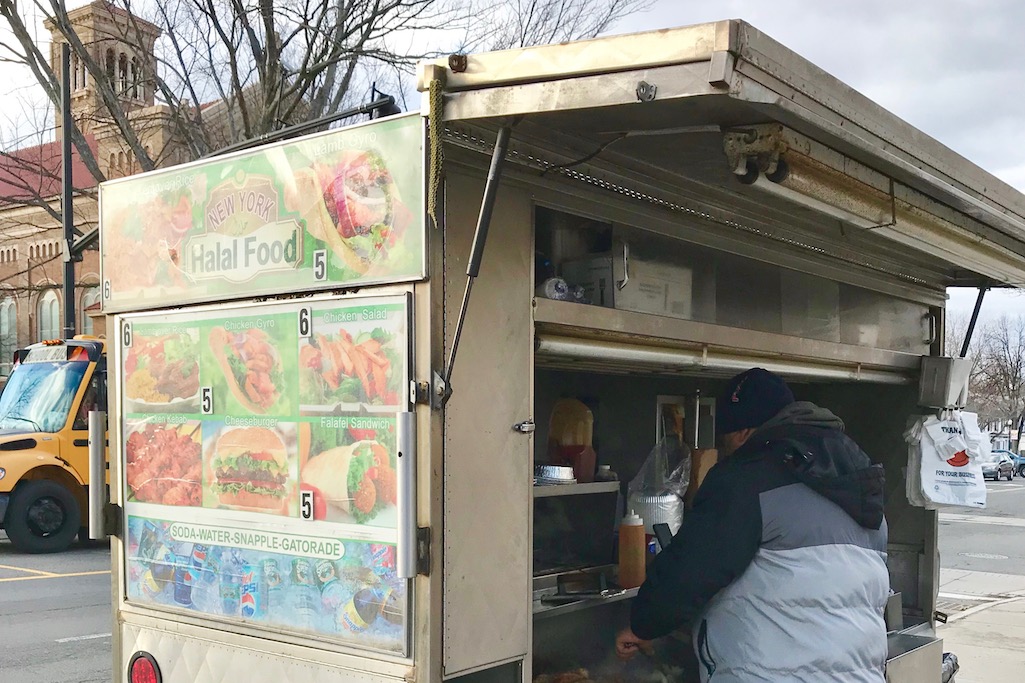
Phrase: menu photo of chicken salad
x=348 y=464
x=162 y=370
x=251 y=364
x=164 y=463
x=354 y=359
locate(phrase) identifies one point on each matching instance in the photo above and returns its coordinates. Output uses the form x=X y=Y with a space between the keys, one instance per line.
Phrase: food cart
x=385 y=315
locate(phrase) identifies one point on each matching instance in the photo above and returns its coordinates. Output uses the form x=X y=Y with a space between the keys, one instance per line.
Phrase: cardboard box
x=701 y=461
x=646 y=286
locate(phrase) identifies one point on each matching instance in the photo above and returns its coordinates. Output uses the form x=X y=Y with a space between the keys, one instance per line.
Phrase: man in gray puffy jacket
x=779 y=571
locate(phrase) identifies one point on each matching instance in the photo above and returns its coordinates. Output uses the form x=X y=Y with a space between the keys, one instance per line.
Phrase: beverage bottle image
x=203 y=579
x=303 y=596
x=332 y=594
x=231 y=585
x=271 y=585
x=250 y=600
x=183 y=579
x=362 y=611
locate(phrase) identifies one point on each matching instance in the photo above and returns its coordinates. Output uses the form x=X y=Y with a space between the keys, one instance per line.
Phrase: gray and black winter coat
x=779 y=570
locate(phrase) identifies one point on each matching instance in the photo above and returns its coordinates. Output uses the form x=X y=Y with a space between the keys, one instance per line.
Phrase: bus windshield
x=38 y=396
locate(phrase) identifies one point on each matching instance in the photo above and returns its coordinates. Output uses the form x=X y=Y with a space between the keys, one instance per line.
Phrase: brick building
x=31 y=305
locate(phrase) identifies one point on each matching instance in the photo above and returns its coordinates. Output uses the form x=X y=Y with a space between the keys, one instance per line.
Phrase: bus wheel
x=43 y=517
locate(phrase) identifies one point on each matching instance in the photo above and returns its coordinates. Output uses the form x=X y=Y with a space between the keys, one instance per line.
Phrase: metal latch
x=525 y=427
x=423 y=551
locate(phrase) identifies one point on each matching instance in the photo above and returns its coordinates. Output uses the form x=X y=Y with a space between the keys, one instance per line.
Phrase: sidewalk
x=988 y=637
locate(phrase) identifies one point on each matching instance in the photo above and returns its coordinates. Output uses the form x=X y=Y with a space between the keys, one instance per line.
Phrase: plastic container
x=632 y=551
x=570 y=432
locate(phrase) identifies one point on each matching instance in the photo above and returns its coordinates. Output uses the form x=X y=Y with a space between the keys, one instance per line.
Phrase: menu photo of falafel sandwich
x=348 y=465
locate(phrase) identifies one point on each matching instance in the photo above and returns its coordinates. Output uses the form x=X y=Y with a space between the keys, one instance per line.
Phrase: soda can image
x=382 y=556
x=149 y=584
x=182 y=585
x=250 y=592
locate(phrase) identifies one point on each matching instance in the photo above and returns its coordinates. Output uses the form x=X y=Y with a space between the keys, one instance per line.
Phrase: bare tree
x=522 y=23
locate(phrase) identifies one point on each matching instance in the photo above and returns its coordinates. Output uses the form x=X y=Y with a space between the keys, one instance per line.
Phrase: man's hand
x=627 y=645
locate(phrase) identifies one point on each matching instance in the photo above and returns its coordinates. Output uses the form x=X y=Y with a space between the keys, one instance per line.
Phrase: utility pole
x=67 y=209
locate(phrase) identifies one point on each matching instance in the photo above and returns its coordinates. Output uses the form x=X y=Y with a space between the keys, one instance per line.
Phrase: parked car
x=1017 y=459
x=997 y=465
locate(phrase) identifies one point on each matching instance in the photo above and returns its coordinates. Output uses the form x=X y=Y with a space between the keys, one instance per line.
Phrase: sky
x=954 y=69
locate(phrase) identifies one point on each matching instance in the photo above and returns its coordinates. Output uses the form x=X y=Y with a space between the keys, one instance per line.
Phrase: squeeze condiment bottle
x=631 y=551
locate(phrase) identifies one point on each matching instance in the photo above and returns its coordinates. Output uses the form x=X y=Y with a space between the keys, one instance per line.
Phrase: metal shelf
x=543 y=611
x=576 y=489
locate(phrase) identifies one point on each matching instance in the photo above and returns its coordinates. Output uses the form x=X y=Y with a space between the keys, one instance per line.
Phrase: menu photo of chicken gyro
x=162 y=370
x=354 y=359
x=164 y=463
x=249 y=365
x=348 y=463
x=250 y=468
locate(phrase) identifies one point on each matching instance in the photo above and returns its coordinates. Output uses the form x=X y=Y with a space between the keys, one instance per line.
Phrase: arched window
x=112 y=166
x=110 y=66
x=121 y=163
x=85 y=73
x=8 y=333
x=49 y=315
x=136 y=76
x=122 y=73
x=74 y=72
x=90 y=297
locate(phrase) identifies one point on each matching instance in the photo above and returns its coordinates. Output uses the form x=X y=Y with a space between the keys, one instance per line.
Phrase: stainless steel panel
x=196 y=655
x=488 y=465
x=913 y=659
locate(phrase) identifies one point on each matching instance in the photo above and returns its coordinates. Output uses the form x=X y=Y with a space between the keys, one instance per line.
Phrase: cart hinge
x=421 y=392
x=423 y=550
x=112 y=516
x=525 y=427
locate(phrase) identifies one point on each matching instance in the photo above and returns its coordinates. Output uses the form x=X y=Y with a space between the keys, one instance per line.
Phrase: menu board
x=260 y=450
x=344 y=208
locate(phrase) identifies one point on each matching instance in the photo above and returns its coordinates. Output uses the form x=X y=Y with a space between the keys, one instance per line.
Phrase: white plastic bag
x=946 y=478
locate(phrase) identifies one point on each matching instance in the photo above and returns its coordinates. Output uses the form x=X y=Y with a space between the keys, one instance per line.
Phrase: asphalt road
x=55 y=617
x=990 y=540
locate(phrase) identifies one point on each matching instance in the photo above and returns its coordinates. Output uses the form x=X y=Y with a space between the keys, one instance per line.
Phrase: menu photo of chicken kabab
x=252 y=469
x=348 y=464
x=162 y=371
x=355 y=359
x=253 y=370
x=164 y=464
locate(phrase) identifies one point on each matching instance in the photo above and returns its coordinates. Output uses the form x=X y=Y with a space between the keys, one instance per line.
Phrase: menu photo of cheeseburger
x=250 y=468
x=348 y=463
